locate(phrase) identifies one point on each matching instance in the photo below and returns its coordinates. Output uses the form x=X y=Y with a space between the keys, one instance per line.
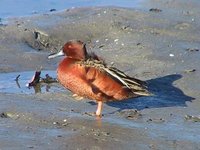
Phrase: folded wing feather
x=135 y=85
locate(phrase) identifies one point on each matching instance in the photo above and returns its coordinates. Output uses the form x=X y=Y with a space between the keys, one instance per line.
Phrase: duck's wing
x=137 y=86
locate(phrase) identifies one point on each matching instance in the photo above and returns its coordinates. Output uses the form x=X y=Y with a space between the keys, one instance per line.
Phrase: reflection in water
x=48 y=87
x=98 y=121
x=15 y=82
x=38 y=87
x=37 y=82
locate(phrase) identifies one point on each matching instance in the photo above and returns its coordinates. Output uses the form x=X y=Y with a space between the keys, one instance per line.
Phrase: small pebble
x=131 y=114
x=171 y=55
x=9 y=115
x=116 y=40
x=112 y=63
x=97 y=41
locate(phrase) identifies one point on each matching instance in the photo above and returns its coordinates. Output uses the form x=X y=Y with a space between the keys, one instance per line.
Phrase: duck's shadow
x=165 y=95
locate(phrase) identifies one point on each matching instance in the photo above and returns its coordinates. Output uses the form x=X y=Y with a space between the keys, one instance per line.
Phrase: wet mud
x=146 y=43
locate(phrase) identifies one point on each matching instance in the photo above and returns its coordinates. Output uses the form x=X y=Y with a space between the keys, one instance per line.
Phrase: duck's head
x=73 y=49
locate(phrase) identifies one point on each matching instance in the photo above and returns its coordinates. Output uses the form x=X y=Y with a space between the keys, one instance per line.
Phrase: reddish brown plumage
x=86 y=75
x=89 y=82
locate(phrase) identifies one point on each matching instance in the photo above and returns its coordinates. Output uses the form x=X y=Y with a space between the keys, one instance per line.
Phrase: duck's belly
x=76 y=84
x=81 y=87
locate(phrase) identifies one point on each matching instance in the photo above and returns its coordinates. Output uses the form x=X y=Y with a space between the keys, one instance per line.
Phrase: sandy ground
x=161 y=46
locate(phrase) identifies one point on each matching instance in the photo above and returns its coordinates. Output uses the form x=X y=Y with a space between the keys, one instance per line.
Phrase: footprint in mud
x=182 y=26
x=130 y=114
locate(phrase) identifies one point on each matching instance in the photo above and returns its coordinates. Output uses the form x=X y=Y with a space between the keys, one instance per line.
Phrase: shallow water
x=36 y=121
x=8 y=83
x=8 y=8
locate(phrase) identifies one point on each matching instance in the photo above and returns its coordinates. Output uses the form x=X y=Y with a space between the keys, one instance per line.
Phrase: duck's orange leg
x=99 y=108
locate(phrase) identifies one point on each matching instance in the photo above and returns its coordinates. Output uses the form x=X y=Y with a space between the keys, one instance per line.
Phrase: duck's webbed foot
x=98 y=112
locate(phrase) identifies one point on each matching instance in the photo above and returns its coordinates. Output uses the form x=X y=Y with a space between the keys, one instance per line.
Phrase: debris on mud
x=130 y=114
x=189 y=70
x=192 y=49
x=53 y=9
x=36 y=79
x=4 y=115
x=42 y=41
x=156 y=120
x=155 y=10
x=9 y=115
x=100 y=133
x=101 y=46
x=62 y=123
x=192 y=118
x=48 y=79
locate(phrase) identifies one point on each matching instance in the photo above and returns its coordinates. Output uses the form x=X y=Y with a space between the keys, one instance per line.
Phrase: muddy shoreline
x=146 y=43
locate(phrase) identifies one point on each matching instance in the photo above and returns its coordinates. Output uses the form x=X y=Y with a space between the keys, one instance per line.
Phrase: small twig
x=17 y=78
x=48 y=79
x=17 y=81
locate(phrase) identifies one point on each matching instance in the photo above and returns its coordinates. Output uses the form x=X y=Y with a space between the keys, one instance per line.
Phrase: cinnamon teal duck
x=86 y=75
